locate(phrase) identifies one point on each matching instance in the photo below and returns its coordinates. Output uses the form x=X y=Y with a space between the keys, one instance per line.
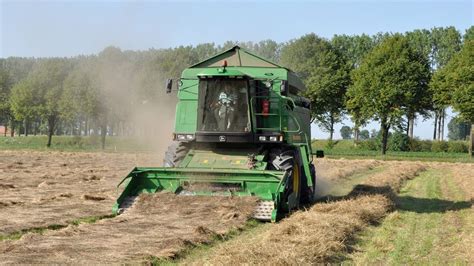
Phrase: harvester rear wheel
x=175 y=154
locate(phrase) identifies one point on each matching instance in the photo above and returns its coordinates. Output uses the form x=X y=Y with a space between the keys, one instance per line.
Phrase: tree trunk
x=51 y=125
x=442 y=123
x=80 y=127
x=408 y=127
x=112 y=129
x=12 y=126
x=471 y=142
x=384 y=128
x=331 y=129
x=435 y=125
x=86 y=128
x=439 y=125
x=411 y=126
x=25 y=127
x=6 y=129
x=103 y=133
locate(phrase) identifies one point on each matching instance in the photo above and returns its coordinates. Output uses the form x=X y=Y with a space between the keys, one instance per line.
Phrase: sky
x=68 y=28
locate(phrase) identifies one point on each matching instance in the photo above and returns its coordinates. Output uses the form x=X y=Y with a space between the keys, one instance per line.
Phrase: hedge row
x=397 y=143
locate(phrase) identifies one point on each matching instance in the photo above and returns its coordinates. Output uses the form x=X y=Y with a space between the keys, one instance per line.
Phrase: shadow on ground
x=403 y=203
x=423 y=205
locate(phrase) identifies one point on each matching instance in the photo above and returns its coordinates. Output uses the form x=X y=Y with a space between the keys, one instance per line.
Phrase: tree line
x=388 y=77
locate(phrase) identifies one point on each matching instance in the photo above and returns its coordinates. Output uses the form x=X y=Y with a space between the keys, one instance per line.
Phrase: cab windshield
x=223 y=105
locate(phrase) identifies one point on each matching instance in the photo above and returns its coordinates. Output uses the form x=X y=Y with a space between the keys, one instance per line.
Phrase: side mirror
x=169 y=85
x=319 y=154
x=284 y=87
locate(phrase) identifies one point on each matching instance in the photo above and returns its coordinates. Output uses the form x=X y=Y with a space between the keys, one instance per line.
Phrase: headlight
x=273 y=138
x=262 y=138
x=184 y=137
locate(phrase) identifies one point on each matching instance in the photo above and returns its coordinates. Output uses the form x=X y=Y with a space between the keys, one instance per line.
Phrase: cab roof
x=236 y=56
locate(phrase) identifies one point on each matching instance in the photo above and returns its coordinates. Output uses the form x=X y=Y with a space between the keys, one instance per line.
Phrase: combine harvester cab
x=241 y=129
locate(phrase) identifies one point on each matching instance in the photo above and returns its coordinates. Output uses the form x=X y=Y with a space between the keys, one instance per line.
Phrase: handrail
x=252 y=100
x=279 y=98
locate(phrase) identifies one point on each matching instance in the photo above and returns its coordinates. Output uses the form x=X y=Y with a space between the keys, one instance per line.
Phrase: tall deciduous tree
x=40 y=93
x=353 y=49
x=458 y=78
x=445 y=43
x=469 y=34
x=15 y=70
x=421 y=100
x=5 y=88
x=385 y=81
x=325 y=74
x=79 y=102
x=346 y=132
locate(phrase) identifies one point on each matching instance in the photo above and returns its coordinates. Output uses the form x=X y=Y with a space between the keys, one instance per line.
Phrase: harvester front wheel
x=175 y=154
x=288 y=161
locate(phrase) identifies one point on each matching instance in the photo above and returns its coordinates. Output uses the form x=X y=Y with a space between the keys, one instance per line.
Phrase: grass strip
x=425 y=229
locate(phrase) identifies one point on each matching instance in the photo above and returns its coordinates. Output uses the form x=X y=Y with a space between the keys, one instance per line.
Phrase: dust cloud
x=136 y=101
x=324 y=186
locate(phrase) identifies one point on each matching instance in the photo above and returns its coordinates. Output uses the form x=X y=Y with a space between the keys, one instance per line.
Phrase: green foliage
x=458 y=129
x=417 y=145
x=364 y=134
x=458 y=146
x=346 y=132
x=389 y=74
x=22 y=100
x=347 y=149
x=386 y=82
x=439 y=146
x=459 y=76
x=353 y=48
x=445 y=43
x=369 y=145
x=330 y=144
x=469 y=34
x=399 y=141
x=325 y=74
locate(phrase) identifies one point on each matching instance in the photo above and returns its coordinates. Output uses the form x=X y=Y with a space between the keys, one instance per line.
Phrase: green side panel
x=186 y=117
x=305 y=160
x=216 y=160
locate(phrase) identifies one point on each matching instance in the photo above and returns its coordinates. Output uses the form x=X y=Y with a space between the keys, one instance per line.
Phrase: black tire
x=175 y=154
x=286 y=160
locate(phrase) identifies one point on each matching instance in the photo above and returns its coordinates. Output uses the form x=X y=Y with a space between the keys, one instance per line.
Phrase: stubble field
x=56 y=208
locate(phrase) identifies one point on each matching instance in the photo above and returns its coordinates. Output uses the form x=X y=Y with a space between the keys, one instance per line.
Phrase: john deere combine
x=241 y=129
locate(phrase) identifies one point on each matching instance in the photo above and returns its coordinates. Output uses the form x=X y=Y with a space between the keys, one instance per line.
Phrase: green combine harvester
x=241 y=129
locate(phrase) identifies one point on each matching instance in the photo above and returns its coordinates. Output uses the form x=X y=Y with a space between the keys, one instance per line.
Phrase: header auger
x=241 y=129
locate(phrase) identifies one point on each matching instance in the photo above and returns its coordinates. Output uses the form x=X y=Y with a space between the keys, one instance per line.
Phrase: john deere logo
x=222 y=138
